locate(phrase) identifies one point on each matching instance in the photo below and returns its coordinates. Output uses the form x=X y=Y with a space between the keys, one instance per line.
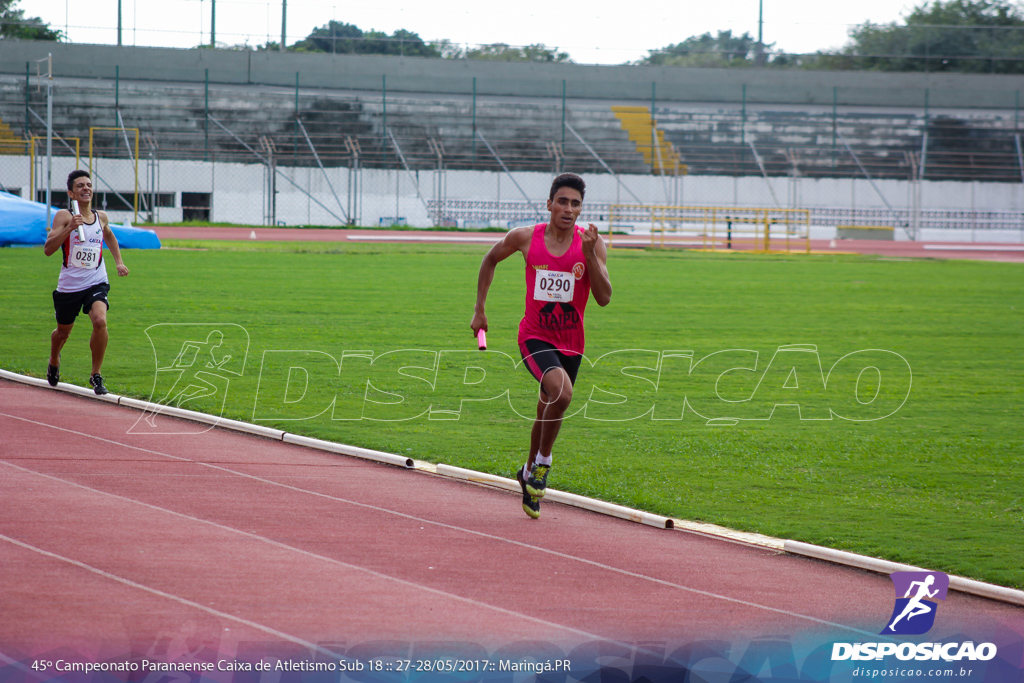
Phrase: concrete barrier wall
x=409 y=74
x=239 y=192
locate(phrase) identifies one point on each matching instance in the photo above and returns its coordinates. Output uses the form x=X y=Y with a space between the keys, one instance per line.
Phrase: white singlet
x=83 y=266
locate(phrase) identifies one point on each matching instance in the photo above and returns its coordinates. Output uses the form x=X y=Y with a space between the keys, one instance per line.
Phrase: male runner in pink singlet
x=564 y=264
x=82 y=285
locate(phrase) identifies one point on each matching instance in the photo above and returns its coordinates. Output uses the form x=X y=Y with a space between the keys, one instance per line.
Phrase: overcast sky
x=592 y=33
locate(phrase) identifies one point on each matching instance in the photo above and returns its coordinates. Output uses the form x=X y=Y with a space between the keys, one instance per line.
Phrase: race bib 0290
x=85 y=256
x=551 y=285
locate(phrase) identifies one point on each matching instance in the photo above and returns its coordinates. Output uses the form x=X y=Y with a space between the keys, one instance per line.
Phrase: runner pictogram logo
x=916 y=595
x=195 y=364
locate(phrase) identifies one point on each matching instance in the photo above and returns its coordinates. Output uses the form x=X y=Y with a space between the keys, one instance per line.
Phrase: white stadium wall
x=383 y=197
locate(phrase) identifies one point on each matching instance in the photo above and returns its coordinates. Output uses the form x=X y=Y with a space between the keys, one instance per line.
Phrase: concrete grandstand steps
x=174 y=115
x=805 y=143
x=710 y=139
x=521 y=135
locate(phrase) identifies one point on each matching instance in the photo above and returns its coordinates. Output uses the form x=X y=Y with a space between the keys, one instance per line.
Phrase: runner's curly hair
x=568 y=180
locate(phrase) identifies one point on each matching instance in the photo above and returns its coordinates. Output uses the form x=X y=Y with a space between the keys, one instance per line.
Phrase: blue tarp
x=24 y=222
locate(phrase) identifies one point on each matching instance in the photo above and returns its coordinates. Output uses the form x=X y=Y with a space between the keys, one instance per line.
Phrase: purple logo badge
x=916 y=593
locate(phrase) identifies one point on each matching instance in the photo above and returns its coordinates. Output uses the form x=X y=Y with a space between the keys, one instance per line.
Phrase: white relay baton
x=76 y=212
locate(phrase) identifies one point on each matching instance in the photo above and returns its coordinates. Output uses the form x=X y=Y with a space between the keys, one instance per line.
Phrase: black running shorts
x=540 y=356
x=67 y=304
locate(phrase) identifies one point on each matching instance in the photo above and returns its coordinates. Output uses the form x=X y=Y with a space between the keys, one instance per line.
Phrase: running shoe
x=52 y=374
x=538 y=481
x=531 y=504
x=96 y=382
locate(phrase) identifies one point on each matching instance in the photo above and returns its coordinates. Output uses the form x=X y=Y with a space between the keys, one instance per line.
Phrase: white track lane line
x=276 y=544
x=501 y=539
x=169 y=596
x=972 y=247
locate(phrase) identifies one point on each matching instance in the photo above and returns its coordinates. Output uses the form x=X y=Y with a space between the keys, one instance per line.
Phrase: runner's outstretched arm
x=515 y=240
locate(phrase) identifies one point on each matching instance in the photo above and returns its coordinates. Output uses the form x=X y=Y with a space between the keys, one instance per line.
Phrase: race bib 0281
x=85 y=256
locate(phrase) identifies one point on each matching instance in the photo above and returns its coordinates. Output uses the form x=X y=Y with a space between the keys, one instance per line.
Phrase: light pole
x=213 y=23
x=119 y=23
x=759 y=49
x=49 y=137
x=284 y=22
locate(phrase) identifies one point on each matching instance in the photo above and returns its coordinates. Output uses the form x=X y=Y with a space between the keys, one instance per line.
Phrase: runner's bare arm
x=596 y=253
x=115 y=249
x=63 y=224
x=517 y=239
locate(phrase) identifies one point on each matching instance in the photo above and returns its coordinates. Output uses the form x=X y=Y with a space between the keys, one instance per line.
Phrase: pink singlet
x=557 y=290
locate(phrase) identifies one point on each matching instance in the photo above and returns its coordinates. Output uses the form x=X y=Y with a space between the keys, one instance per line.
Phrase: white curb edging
x=212 y=420
x=342 y=449
x=747 y=537
x=612 y=509
x=959 y=583
x=477 y=477
x=842 y=557
x=62 y=386
x=560 y=497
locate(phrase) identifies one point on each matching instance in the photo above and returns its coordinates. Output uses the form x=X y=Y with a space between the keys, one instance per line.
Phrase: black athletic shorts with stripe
x=540 y=356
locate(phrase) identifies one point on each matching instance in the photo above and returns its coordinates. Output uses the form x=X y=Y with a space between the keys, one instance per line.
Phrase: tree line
x=968 y=36
x=14 y=24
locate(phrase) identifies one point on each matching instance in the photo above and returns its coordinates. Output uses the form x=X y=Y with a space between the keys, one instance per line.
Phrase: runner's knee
x=98 y=315
x=558 y=390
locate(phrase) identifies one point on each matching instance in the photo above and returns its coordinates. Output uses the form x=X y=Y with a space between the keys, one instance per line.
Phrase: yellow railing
x=718 y=227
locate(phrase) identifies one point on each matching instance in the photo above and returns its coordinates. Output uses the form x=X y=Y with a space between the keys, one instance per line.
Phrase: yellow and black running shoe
x=538 y=481
x=531 y=504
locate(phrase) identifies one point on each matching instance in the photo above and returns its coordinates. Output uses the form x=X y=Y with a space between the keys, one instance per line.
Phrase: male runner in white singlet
x=564 y=264
x=82 y=285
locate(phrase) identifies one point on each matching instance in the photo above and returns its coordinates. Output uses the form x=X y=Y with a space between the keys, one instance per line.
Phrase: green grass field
x=938 y=483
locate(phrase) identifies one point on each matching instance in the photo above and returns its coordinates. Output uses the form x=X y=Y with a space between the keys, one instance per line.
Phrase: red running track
x=108 y=539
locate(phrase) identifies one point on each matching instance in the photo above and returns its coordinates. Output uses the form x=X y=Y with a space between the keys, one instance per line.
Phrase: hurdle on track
x=718 y=227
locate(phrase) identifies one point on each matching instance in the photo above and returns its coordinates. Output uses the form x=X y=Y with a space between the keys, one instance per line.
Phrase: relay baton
x=76 y=212
x=481 y=339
